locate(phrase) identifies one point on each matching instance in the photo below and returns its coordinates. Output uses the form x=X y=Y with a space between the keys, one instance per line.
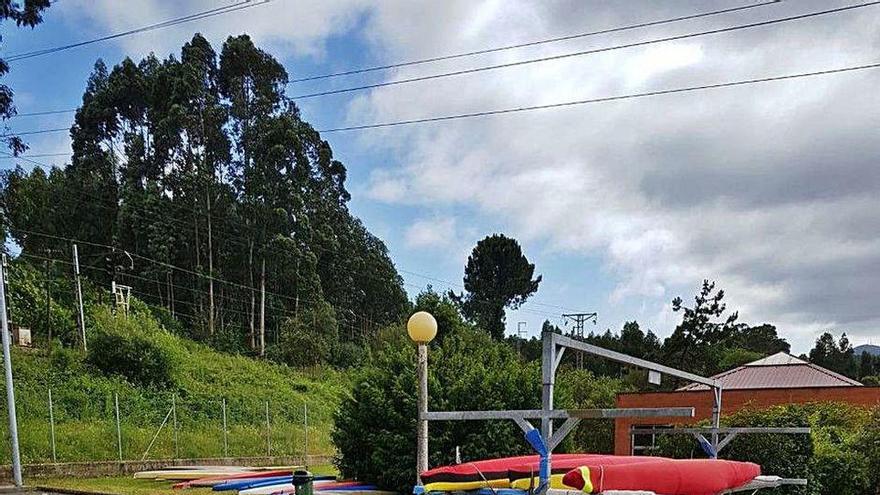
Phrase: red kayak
x=601 y=472
x=661 y=475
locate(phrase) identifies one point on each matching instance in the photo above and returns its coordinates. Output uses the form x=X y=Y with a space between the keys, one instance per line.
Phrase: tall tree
x=26 y=14
x=702 y=330
x=836 y=355
x=497 y=276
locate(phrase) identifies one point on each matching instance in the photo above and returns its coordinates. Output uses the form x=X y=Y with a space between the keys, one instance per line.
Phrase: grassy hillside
x=200 y=379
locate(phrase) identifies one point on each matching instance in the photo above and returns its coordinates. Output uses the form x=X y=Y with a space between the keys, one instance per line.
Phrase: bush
x=133 y=347
x=831 y=458
x=375 y=428
x=308 y=339
x=580 y=389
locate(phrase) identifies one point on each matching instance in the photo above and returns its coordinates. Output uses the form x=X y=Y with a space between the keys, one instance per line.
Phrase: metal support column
x=10 y=392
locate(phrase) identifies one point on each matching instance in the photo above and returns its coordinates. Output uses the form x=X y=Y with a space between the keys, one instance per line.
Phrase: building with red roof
x=774 y=380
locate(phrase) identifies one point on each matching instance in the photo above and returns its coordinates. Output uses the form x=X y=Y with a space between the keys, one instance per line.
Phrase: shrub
x=132 y=346
x=308 y=339
x=375 y=428
x=830 y=458
x=580 y=389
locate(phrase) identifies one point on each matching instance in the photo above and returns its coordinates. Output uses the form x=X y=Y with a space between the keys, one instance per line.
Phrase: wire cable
x=244 y=4
x=533 y=43
x=487 y=50
x=585 y=52
x=45 y=112
x=603 y=99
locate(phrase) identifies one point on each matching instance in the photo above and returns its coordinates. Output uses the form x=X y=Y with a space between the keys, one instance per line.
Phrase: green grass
x=130 y=486
x=117 y=486
x=85 y=427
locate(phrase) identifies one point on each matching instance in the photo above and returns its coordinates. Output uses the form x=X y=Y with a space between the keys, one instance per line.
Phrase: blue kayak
x=246 y=483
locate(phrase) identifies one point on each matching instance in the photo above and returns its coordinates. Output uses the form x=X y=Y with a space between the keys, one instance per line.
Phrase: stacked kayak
x=256 y=480
x=591 y=473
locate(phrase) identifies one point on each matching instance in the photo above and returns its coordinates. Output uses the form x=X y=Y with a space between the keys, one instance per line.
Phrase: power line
x=8 y=156
x=605 y=99
x=487 y=50
x=601 y=100
x=583 y=52
x=35 y=131
x=532 y=43
x=46 y=112
x=244 y=4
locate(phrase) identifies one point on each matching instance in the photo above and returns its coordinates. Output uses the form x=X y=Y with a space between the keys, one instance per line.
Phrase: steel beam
x=634 y=412
x=691 y=431
x=633 y=361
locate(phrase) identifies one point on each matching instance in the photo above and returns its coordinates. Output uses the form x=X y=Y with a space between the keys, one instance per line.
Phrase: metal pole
x=10 y=392
x=268 y=433
x=174 y=416
x=118 y=426
x=306 y=434
x=79 y=298
x=422 y=447
x=52 y=426
x=225 y=439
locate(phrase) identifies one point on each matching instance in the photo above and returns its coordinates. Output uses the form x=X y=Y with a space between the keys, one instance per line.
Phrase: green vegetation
x=375 y=431
x=839 y=457
x=196 y=377
x=195 y=181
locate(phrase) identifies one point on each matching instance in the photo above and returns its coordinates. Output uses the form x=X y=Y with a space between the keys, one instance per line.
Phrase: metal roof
x=778 y=371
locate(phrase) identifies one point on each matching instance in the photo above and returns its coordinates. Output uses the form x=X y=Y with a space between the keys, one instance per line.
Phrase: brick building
x=774 y=380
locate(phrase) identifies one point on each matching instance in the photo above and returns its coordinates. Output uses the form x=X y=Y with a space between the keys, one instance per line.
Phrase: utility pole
x=263 y=307
x=521 y=334
x=48 y=306
x=79 y=298
x=579 y=319
x=10 y=392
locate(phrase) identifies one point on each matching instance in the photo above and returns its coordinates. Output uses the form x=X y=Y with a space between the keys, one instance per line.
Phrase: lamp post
x=422 y=328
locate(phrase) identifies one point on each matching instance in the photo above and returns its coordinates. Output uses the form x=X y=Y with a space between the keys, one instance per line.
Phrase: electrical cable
x=602 y=99
x=584 y=52
x=244 y=4
x=533 y=43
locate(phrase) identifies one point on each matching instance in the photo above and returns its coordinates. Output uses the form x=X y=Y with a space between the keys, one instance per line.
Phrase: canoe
x=661 y=475
x=266 y=488
x=215 y=480
x=282 y=482
x=592 y=473
x=492 y=473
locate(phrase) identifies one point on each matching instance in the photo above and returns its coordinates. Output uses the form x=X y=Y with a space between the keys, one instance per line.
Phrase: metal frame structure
x=554 y=346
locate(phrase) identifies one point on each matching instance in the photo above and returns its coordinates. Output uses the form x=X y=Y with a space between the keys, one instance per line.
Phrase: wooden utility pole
x=48 y=308
x=210 y=269
x=263 y=307
x=79 y=298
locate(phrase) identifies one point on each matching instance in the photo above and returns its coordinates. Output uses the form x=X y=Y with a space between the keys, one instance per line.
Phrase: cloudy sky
x=772 y=190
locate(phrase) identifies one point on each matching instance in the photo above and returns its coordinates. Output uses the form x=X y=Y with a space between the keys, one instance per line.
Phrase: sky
x=771 y=190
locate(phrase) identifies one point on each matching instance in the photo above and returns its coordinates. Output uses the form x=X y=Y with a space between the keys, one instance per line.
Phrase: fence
x=75 y=427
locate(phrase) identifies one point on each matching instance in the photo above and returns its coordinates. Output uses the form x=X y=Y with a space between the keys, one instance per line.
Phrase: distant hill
x=874 y=350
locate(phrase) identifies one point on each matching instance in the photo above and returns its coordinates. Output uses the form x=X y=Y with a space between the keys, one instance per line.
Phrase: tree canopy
x=497 y=276
x=195 y=181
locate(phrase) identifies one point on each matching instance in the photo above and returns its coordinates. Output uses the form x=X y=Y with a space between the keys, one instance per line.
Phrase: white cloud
x=432 y=233
x=769 y=189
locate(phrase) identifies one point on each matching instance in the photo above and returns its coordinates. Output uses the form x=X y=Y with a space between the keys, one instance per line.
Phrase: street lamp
x=422 y=328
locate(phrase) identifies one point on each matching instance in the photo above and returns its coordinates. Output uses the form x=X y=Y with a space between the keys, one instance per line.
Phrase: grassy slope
x=83 y=407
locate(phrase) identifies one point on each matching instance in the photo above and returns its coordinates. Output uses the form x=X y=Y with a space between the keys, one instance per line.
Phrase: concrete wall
x=116 y=468
x=732 y=401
